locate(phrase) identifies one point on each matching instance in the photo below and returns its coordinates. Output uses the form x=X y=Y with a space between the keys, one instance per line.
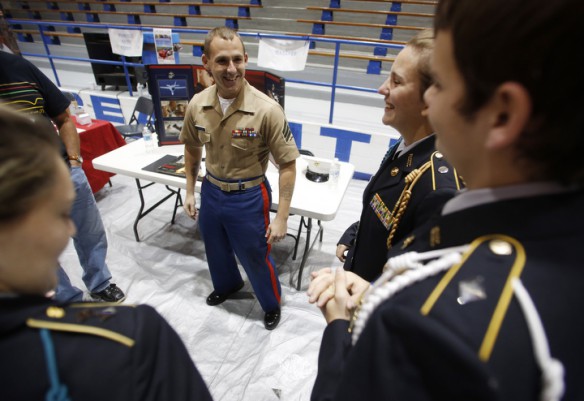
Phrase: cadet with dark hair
x=58 y=351
x=487 y=304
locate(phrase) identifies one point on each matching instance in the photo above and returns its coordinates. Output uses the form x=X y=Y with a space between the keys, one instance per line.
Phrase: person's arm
x=69 y=135
x=162 y=367
x=346 y=241
x=278 y=228
x=193 y=158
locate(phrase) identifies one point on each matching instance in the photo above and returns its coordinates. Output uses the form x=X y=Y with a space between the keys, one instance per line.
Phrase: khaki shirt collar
x=243 y=102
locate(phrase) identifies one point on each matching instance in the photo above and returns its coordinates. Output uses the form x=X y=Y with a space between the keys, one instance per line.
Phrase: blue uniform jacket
x=368 y=238
x=102 y=352
x=404 y=354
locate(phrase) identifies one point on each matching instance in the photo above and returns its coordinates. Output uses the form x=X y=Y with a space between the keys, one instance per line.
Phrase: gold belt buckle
x=225 y=186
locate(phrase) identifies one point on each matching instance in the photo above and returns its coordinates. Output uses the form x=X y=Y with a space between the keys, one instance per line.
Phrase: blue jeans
x=90 y=242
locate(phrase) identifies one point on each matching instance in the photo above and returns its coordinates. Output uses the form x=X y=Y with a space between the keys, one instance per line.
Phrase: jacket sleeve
x=348 y=238
x=401 y=355
x=335 y=345
x=164 y=370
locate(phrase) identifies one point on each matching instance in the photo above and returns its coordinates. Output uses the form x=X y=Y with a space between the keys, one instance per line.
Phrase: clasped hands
x=336 y=292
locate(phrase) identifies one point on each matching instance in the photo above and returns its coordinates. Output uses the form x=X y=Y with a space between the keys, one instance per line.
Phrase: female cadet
x=68 y=351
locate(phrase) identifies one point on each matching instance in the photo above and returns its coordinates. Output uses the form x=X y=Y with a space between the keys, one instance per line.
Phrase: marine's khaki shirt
x=238 y=144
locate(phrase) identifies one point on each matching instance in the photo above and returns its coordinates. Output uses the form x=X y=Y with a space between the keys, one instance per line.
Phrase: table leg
x=308 y=246
x=296 y=238
x=177 y=203
x=141 y=214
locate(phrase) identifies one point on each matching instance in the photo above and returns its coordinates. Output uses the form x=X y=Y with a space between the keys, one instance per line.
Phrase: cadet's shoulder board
x=500 y=252
x=83 y=318
x=440 y=166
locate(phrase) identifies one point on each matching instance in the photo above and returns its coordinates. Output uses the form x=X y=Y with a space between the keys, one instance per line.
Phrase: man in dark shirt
x=25 y=88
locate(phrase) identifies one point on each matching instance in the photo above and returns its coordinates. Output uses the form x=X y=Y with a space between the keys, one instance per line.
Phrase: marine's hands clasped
x=336 y=292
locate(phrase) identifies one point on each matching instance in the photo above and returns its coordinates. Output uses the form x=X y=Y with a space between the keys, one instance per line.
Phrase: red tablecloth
x=98 y=138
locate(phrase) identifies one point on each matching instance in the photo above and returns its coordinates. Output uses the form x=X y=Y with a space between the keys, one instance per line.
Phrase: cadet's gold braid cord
x=402 y=203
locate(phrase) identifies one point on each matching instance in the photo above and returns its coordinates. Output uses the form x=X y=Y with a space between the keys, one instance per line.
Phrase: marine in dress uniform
x=86 y=351
x=235 y=194
x=464 y=334
x=401 y=196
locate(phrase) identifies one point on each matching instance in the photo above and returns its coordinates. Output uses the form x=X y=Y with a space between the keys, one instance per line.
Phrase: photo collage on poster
x=172 y=87
x=174 y=98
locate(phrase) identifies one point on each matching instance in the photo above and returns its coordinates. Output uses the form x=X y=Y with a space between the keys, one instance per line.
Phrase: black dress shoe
x=215 y=299
x=271 y=319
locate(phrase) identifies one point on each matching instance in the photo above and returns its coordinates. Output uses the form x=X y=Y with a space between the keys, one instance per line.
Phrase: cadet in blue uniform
x=413 y=181
x=57 y=351
x=488 y=303
x=239 y=127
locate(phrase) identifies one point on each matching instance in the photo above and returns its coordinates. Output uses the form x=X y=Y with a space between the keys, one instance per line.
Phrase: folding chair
x=134 y=129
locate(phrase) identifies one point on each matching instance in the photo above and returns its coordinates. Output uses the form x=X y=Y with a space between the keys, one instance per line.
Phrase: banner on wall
x=126 y=42
x=164 y=46
x=283 y=55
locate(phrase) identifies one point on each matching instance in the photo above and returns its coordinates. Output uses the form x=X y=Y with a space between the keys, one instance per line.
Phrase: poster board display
x=172 y=86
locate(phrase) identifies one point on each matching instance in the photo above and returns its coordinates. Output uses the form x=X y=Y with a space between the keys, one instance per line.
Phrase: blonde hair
x=423 y=45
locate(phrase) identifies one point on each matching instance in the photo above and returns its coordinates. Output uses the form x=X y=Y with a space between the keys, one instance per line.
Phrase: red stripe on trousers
x=267 y=205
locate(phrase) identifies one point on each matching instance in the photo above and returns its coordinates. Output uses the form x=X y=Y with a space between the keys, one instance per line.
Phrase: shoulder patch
x=287 y=132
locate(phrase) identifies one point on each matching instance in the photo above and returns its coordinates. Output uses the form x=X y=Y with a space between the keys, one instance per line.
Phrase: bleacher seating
x=373 y=21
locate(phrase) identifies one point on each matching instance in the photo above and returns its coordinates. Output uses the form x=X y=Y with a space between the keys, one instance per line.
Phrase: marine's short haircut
x=222 y=32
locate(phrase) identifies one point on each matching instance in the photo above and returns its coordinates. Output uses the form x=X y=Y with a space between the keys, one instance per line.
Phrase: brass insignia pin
x=471 y=290
x=435 y=236
x=500 y=247
x=410 y=160
x=55 y=312
x=408 y=241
